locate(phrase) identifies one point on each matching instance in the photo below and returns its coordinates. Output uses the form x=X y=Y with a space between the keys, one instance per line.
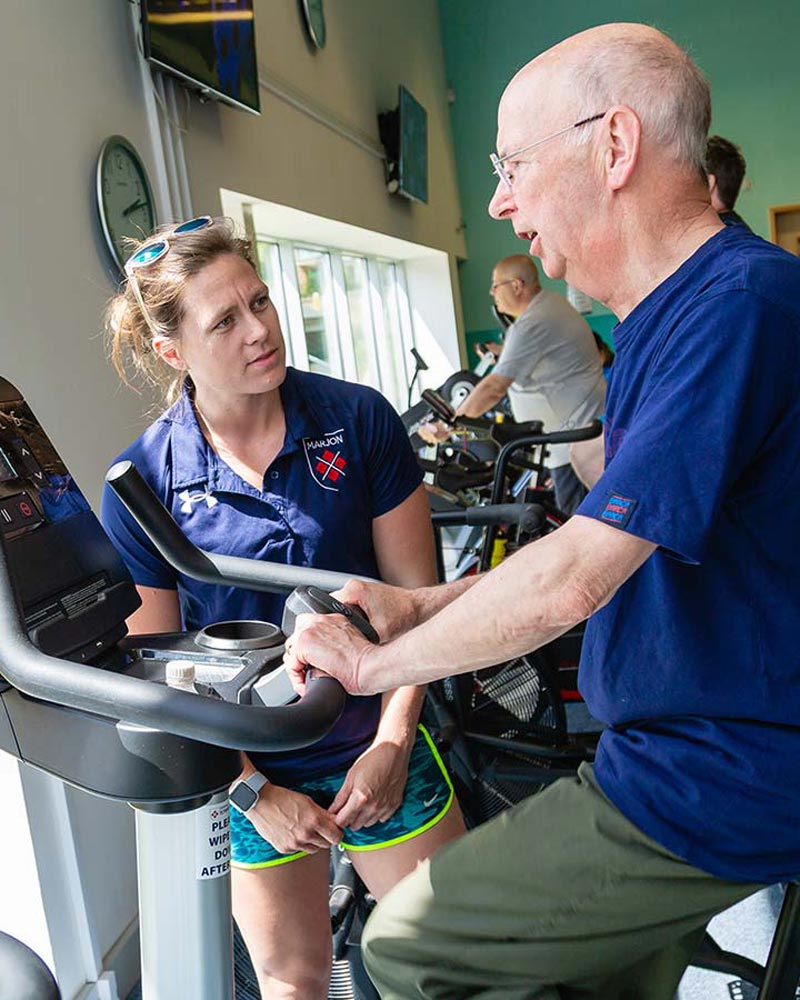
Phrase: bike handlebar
x=528 y=516
x=158 y=524
x=134 y=700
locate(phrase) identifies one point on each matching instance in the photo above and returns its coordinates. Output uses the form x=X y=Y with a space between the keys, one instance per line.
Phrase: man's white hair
x=659 y=81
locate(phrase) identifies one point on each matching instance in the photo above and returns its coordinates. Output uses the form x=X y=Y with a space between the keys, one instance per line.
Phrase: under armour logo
x=198 y=497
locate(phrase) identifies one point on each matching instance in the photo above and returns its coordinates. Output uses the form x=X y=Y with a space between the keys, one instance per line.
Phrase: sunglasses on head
x=151 y=252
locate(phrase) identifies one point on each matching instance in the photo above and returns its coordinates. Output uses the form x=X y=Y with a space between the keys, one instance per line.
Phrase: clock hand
x=132 y=208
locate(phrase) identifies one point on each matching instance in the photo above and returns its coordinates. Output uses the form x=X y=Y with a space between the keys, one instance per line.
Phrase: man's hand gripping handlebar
x=333 y=639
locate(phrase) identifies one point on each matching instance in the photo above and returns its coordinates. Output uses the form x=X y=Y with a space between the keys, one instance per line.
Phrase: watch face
x=124 y=198
x=315 y=21
x=243 y=797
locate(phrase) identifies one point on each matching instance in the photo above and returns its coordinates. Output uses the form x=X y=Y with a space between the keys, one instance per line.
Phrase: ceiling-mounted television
x=209 y=44
x=404 y=134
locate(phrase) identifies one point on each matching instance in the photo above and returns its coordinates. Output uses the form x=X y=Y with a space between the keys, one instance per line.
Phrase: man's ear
x=623 y=145
x=712 y=184
x=167 y=349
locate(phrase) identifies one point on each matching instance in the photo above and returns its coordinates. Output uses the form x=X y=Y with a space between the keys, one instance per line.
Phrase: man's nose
x=502 y=203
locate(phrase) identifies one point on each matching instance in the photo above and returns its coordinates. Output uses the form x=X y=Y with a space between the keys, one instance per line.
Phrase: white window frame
x=336 y=313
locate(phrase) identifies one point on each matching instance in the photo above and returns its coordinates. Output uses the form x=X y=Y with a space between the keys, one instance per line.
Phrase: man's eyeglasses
x=498 y=161
x=497 y=284
x=152 y=252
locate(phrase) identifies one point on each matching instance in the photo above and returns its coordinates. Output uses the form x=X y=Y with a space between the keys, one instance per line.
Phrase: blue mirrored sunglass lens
x=148 y=254
x=192 y=225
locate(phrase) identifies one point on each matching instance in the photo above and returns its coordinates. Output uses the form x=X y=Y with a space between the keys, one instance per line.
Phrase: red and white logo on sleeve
x=325 y=461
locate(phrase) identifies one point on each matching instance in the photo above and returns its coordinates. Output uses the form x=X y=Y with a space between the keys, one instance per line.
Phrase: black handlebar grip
x=312 y=600
x=528 y=516
x=439 y=405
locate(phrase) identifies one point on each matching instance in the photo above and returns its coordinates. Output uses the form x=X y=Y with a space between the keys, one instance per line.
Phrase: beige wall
x=286 y=157
x=68 y=79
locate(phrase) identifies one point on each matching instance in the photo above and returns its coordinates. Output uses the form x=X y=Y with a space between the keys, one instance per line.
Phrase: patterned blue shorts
x=428 y=796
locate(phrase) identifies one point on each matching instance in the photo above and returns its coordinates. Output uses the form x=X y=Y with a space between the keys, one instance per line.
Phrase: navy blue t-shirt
x=346 y=460
x=695 y=662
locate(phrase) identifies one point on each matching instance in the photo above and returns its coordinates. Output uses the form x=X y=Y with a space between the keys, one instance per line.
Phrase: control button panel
x=18 y=511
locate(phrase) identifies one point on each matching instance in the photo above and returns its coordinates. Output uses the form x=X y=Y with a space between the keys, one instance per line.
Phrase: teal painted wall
x=748 y=51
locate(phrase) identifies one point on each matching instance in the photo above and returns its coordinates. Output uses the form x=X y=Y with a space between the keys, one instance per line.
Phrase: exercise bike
x=504 y=733
x=84 y=702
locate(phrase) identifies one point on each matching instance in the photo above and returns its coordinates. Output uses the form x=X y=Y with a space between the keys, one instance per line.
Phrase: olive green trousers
x=560 y=897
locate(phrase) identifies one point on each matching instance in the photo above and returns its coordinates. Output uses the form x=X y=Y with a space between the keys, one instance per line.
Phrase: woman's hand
x=293 y=822
x=373 y=788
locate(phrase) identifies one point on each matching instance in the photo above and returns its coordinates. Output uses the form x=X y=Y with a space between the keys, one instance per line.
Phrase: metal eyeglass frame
x=498 y=161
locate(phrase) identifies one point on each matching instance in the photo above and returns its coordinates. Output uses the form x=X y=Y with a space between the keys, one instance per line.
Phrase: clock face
x=315 y=21
x=124 y=198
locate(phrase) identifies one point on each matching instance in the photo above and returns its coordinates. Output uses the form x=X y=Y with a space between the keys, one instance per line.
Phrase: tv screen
x=208 y=43
x=413 y=172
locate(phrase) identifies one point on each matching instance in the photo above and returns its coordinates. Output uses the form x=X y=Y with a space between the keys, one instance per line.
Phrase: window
x=356 y=283
x=342 y=314
x=319 y=325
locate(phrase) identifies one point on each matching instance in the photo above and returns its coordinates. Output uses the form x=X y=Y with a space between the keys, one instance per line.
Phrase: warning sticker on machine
x=68 y=604
x=212 y=840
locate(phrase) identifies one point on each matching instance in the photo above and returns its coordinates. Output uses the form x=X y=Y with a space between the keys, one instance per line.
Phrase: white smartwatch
x=244 y=793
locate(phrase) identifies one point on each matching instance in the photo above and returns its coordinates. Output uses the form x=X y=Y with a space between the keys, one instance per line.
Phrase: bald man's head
x=517 y=266
x=515 y=281
x=620 y=64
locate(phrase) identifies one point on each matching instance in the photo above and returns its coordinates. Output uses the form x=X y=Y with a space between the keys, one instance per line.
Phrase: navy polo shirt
x=695 y=662
x=346 y=460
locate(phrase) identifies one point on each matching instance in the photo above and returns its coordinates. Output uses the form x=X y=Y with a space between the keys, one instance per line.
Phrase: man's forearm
x=429 y=601
x=529 y=600
x=486 y=395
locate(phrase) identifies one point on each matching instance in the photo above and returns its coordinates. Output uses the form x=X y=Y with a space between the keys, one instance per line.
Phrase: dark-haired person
x=600 y=886
x=259 y=460
x=725 y=167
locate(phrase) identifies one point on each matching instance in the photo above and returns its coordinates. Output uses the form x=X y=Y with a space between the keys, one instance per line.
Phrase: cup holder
x=239 y=635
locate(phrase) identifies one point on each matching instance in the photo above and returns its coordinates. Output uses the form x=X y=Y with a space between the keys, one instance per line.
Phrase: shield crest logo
x=325 y=461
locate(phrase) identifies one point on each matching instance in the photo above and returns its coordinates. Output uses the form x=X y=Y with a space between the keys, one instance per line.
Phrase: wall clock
x=125 y=201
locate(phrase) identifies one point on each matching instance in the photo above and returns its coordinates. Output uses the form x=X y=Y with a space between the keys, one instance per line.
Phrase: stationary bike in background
x=504 y=729
x=513 y=471
x=454 y=390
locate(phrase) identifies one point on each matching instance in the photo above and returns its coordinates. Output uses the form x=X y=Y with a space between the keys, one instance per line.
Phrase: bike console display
x=82 y=700
x=74 y=590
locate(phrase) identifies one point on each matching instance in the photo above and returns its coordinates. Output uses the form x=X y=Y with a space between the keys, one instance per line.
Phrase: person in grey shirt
x=549 y=366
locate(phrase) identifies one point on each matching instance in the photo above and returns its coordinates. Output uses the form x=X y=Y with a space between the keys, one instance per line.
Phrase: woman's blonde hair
x=129 y=332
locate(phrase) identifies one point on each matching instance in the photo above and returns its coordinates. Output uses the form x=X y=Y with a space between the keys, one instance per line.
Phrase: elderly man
x=683 y=554
x=549 y=367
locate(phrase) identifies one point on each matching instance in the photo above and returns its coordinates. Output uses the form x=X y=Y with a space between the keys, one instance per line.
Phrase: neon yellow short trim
x=427 y=798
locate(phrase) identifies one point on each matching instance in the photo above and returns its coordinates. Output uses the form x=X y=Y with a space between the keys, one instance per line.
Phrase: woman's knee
x=291 y=978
